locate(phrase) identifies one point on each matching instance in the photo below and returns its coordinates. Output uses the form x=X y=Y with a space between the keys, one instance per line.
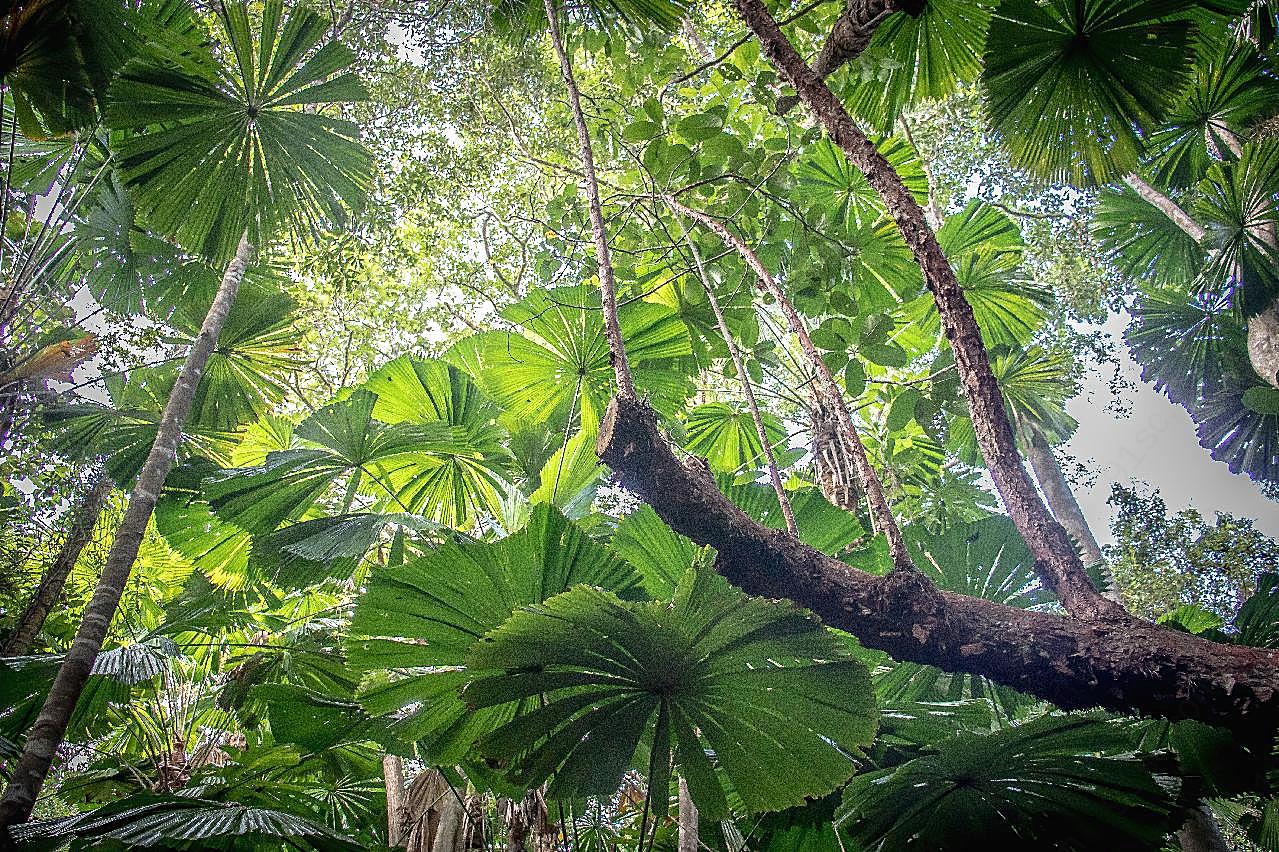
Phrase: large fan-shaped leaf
x=985 y=247
x=1141 y=241
x=1070 y=83
x=256 y=348
x=565 y=356
x=1185 y=343
x=225 y=150
x=759 y=685
x=661 y=555
x=920 y=55
x=1240 y=425
x=1237 y=202
x=1229 y=91
x=985 y=559
x=841 y=192
x=422 y=617
x=343 y=439
x=727 y=438
x=1058 y=782
x=149 y=821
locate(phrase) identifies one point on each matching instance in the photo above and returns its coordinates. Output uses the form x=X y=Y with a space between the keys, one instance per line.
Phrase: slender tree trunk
x=1061 y=499
x=1055 y=556
x=739 y=364
x=832 y=457
x=603 y=260
x=393 y=775
x=51 y=725
x=1200 y=833
x=1168 y=207
x=80 y=525
x=688 y=840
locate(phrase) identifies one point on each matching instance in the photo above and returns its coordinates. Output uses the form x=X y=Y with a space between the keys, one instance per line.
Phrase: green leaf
x=661 y=555
x=152 y=821
x=430 y=610
x=220 y=151
x=924 y=54
x=1191 y=618
x=1257 y=622
x=1070 y=84
x=985 y=559
x=1061 y=782
x=727 y=437
x=828 y=182
x=758 y=684
x=564 y=356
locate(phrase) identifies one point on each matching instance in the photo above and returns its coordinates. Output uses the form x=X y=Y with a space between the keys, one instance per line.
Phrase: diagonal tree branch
x=849 y=36
x=1127 y=666
x=1055 y=556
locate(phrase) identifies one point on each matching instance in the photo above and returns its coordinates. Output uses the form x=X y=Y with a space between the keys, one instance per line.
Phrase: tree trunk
x=1055 y=556
x=1263 y=344
x=688 y=840
x=51 y=725
x=80 y=525
x=393 y=775
x=832 y=458
x=1168 y=207
x=1064 y=506
x=1201 y=834
x=603 y=260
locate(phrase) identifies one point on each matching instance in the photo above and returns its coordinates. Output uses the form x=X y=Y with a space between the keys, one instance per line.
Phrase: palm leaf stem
x=739 y=364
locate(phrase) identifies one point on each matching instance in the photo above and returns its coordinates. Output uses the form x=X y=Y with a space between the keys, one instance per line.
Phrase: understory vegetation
x=632 y=425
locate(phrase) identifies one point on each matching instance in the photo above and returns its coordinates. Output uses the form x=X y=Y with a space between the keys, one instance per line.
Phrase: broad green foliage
x=924 y=53
x=986 y=559
x=228 y=150
x=149 y=821
x=562 y=367
x=1070 y=84
x=430 y=610
x=608 y=671
x=728 y=438
x=1066 y=782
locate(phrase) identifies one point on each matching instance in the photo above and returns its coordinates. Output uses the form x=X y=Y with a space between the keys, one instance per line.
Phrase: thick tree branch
x=1055 y=556
x=1124 y=665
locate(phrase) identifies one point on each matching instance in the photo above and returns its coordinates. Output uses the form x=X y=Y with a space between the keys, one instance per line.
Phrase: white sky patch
x=1155 y=444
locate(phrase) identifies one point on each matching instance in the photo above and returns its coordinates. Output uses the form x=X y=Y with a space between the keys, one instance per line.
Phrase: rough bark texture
x=1121 y=664
x=1263 y=343
x=80 y=525
x=51 y=725
x=1055 y=556
x=1168 y=207
x=832 y=456
x=1201 y=833
x=849 y=36
x=603 y=260
x=688 y=840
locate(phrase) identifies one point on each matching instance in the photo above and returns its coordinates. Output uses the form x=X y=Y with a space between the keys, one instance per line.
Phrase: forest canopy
x=632 y=425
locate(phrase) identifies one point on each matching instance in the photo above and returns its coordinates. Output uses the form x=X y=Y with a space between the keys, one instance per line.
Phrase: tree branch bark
x=849 y=36
x=1124 y=665
x=1055 y=557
